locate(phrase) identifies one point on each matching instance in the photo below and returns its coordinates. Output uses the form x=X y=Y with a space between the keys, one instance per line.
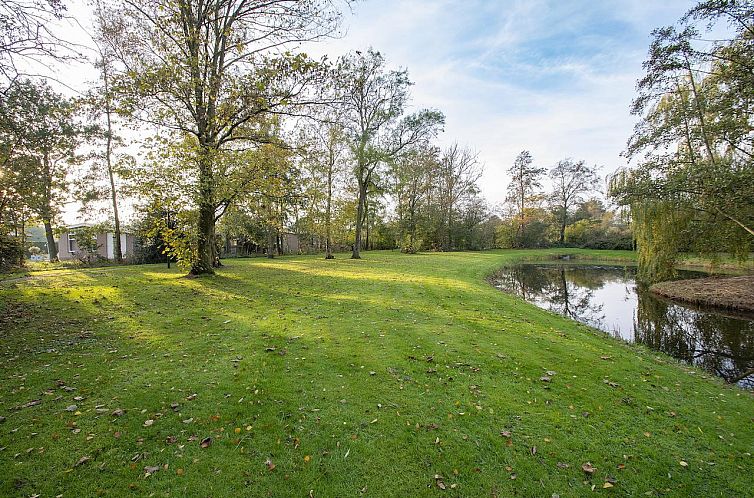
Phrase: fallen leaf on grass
x=439 y=482
x=588 y=468
x=683 y=464
x=119 y=412
x=307 y=459
x=505 y=433
x=31 y=403
x=205 y=442
x=607 y=485
x=150 y=470
x=269 y=464
x=562 y=465
x=191 y=397
x=148 y=423
x=179 y=472
x=82 y=461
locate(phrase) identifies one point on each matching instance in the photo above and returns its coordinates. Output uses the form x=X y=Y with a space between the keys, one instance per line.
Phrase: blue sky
x=553 y=77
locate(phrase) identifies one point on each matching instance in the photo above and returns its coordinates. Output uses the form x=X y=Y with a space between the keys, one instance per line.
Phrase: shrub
x=11 y=253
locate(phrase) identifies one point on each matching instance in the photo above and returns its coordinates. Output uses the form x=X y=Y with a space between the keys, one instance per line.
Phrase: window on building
x=71 y=242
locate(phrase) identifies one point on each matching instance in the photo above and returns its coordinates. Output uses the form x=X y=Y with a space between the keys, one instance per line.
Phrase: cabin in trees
x=96 y=244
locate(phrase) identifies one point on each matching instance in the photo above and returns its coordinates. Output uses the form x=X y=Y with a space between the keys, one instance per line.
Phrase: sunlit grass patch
x=348 y=377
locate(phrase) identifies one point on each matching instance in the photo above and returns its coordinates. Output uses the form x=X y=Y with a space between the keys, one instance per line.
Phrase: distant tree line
x=249 y=143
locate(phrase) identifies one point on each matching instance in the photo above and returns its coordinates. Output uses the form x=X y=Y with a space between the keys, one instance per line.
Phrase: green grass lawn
x=394 y=375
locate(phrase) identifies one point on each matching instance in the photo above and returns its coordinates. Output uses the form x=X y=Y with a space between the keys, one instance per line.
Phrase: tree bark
x=117 y=250
x=356 y=253
x=52 y=249
x=271 y=243
x=328 y=212
x=206 y=225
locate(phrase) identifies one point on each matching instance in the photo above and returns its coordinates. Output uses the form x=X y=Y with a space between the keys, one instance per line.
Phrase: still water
x=608 y=298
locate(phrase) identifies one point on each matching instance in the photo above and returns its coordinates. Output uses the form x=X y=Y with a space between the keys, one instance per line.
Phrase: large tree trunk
x=52 y=249
x=205 y=257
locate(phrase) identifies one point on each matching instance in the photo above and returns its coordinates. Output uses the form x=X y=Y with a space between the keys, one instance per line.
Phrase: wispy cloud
x=553 y=77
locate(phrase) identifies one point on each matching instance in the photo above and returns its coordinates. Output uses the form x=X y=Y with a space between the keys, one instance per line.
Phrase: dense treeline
x=256 y=149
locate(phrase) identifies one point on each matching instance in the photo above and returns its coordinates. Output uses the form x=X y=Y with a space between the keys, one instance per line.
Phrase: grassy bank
x=394 y=375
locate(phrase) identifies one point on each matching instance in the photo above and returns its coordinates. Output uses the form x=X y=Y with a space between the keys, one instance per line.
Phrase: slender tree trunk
x=700 y=112
x=356 y=253
x=366 y=222
x=328 y=213
x=450 y=227
x=271 y=242
x=117 y=250
x=563 y=222
x=521 y=214
x=23 y=240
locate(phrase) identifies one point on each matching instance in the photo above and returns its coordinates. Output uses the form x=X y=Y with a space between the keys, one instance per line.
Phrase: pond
x=607 y=297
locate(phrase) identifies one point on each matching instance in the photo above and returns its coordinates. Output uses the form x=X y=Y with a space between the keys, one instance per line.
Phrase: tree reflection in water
x=607 y=297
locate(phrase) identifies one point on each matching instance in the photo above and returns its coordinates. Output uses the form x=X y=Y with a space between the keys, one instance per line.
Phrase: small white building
x=68 y=247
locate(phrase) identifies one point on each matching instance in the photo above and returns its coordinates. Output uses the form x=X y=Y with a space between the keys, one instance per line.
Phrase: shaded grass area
x=735 y=293
x=394 y=375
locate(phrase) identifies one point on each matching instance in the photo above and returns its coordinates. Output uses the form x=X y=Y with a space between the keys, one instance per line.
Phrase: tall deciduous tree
x=459 y=170
x=212 y=71
x=693 y=184
x=373 y=105
x=571 y=180
x=525 y=182
x=101 y=181
x=413 y=174
x=325 y=155
x=40 y=126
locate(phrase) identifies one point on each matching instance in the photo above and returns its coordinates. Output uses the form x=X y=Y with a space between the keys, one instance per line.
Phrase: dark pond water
x=608 y=298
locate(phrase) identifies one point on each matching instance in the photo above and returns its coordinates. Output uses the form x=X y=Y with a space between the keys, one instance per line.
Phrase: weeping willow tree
x=692 y=187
